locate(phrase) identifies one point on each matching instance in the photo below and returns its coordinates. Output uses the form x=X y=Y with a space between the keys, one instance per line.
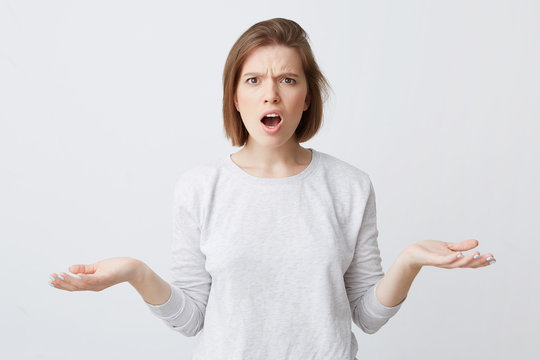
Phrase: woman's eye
x=291 y=81
x=250 y=82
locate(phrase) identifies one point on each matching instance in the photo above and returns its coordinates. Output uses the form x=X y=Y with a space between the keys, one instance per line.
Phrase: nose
x=270 y=93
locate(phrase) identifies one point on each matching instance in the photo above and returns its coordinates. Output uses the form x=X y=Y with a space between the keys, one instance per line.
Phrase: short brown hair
x=277 y=31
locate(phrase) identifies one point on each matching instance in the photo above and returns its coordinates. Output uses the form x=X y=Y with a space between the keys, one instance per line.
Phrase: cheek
x=298 y=100
x=243 y=98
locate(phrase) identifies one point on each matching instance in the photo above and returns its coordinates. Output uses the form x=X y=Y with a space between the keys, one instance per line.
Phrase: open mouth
x=271 y=121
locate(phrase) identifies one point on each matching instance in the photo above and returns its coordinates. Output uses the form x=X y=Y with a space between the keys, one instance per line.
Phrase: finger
x=483 y=260
x=58 y=281
x=67 y=282
x=463 y=245
x=473 y=260
x=82 y=269
x=86 y=282
x=63 y=281
x=454 y=260
x=468 y=260
x=443 y=260
x=52 y=279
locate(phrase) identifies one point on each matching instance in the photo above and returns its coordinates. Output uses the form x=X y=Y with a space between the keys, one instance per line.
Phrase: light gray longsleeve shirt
x=274 y=268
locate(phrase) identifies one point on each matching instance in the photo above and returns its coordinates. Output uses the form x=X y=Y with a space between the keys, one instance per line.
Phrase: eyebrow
x=279 y=75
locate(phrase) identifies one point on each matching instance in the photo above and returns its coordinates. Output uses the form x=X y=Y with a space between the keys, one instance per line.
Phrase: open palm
x=96 y=276
x=448 y=255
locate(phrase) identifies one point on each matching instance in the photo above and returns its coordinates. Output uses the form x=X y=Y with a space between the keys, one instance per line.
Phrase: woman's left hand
x=447 y=254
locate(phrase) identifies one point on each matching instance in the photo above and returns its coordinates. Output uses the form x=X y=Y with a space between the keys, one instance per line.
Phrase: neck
x=274 y=158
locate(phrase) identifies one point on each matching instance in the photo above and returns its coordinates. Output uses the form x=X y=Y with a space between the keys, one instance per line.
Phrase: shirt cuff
x=375 y=308
x=174 y=305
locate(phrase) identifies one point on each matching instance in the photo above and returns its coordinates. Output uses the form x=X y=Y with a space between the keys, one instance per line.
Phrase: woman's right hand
x=96 y=276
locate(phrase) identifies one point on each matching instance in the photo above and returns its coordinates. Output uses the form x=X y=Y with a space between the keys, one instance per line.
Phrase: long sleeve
x=364 y=273
x=185 y=309
x=274 y=268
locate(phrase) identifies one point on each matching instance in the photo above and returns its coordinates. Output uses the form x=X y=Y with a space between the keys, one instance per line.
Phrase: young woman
x=275 y=246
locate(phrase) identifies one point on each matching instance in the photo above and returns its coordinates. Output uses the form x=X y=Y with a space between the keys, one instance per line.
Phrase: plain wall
x=104 y=103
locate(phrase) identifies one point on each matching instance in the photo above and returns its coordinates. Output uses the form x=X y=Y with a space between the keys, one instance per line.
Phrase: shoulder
x=341 y=171
x=196 y=178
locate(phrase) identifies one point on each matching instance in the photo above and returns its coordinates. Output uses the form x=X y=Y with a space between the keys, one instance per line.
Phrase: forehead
x=273 y=57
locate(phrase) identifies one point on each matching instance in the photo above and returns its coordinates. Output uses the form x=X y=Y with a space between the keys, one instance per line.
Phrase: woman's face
x=272 y=80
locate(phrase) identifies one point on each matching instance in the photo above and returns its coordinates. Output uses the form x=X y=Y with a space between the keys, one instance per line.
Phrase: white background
x=104 y=103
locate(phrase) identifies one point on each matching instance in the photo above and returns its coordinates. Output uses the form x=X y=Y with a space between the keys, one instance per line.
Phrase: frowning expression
x=272 y=80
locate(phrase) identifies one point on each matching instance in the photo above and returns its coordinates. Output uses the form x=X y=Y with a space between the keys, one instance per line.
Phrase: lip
x=272 y=112
x=278 y=126
x=274 y=130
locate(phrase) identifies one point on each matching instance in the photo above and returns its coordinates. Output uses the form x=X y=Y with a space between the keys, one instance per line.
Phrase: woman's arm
x=392 y=289
x=153 y=289
x=394 y=286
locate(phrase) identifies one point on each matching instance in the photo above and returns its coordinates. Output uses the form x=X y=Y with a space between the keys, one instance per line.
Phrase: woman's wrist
x=137 y=273
x=407 y=259
x=153 y=289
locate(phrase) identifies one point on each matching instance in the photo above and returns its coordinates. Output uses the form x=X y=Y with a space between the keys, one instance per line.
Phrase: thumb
x=463 y=245
x=82 y=269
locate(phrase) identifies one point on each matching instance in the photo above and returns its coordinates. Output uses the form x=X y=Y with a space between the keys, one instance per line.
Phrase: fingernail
x=476 y=256
x=61 y=277
x=52 y=278
x=78 y=277
x=492 y=262
x=50 y=284
x=489 y=258
x=459 y=255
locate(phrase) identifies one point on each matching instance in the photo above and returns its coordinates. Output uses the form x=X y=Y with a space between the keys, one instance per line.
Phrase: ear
x=235 y=99
x=307 y=102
